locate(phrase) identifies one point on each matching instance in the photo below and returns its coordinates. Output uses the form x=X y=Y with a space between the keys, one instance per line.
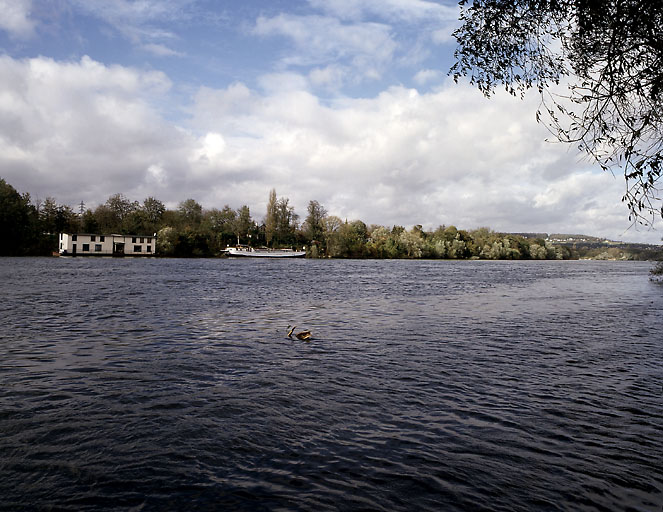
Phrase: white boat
x=264 y=252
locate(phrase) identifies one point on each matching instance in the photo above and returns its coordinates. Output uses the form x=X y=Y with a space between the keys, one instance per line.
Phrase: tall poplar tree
x=271 y=217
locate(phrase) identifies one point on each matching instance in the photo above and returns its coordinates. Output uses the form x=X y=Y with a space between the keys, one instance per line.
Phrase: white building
x=87 y=244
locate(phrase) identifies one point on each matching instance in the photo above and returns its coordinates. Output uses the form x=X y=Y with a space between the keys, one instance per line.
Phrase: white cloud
x=432 y=21
x=275 y=82
x=396 y=10
x=444 y=34
x=120 y=12
x=212 y=146
x=331 y=77
x=156 y=175
x=449 y=156
x=427 y=75
x=83 y=131
x=161 y=50
x=355 y=42
x=15 y=18
x=142 y=22
x=367 y=47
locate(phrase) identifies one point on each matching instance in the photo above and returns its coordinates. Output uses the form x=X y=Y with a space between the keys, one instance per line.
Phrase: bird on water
x=303 y=335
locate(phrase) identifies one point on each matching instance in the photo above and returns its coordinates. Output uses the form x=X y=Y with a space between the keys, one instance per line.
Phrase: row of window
x=102 y=238
x=97 y=248
x=93 y=238
x=86 y=247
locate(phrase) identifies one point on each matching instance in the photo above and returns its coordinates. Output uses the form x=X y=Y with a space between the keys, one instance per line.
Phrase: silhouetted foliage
x=17 y=222
x=611 y=55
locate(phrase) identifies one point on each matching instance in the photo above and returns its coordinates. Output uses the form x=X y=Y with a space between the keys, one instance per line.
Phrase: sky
x=347 y=102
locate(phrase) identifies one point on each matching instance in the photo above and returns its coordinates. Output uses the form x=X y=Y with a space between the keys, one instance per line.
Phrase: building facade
x=88 y=244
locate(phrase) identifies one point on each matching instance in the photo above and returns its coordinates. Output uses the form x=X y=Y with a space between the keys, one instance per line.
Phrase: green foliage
x=243 y=223
x=166 y=241
x=54 y=218
x=314 y=225
x=154 y=209
x=281 y=222
x=349 y=240
x=89 y=222
x=191 y=213
x=221 y=224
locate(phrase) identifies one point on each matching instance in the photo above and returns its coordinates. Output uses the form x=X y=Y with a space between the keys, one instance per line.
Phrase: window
x=60 y=245
x=149 y=248
x=142 y=240
x=97 y=247
x=133 y=239
x=74 y=238
x=149 y=240
x=86 y=247
x=60 y=236
x=137 y=248
x=102 y=238
x=93 y=238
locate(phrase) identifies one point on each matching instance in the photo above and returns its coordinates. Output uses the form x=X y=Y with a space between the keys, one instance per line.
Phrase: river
x=164 y=384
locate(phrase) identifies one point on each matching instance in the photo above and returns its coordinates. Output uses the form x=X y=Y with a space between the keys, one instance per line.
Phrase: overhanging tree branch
x=611 y=54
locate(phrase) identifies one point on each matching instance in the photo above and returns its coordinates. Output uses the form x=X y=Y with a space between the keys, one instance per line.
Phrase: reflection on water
x=170 y=384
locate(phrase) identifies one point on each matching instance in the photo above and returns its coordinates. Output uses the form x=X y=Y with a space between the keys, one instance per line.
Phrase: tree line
x=29 y=227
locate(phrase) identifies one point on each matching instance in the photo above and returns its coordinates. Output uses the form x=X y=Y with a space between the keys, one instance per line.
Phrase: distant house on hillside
x=88 y=244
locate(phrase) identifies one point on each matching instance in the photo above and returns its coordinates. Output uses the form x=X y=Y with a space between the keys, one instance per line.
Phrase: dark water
x=170 y=385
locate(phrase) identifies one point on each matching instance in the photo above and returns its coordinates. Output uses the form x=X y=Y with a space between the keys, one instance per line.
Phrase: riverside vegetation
x=30 y=227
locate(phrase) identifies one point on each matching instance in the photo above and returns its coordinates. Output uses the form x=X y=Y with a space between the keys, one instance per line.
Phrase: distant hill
x=592 y=247
x=531 y=235
x=560 y=237
x=602 y=249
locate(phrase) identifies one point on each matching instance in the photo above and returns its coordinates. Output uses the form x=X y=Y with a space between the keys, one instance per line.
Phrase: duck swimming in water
x=303 y=335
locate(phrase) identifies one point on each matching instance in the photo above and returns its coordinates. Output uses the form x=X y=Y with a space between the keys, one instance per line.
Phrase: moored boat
x=263 y=252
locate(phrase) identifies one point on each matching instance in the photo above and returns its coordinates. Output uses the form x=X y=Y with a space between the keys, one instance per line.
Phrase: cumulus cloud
x=448 y=156
x=15 y=18
x=82 y=131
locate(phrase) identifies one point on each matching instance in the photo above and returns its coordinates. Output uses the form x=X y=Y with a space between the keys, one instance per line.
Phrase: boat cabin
x=88 y=244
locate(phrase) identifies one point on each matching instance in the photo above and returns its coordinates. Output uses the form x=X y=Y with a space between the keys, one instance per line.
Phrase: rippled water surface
x=429 y=385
